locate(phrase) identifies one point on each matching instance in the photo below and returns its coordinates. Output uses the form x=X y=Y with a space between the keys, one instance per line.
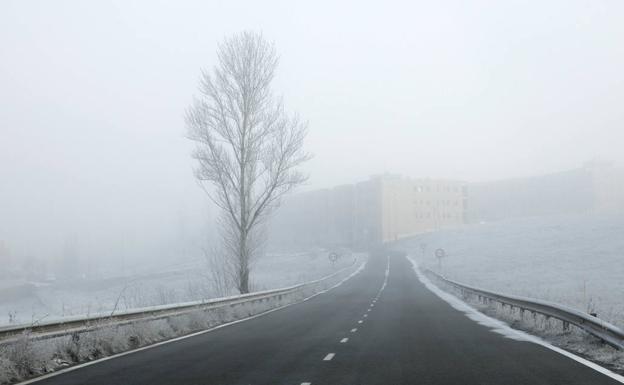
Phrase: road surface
x=380 y=327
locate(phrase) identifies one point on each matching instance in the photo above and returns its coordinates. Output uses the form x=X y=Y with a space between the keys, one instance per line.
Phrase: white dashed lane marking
x=353 y=330
x=360 y=321
x=329 y=357
x=306 y=383
x=342 y=341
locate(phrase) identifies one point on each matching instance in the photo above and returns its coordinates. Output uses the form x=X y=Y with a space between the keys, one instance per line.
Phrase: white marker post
x=440 y=253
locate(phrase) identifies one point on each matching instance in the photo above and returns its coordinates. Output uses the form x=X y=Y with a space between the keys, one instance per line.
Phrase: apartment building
x=389 y=207
x=415 y=206
x=381 y=209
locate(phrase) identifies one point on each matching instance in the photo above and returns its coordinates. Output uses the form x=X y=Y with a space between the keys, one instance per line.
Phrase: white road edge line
x=80 y=366
x=342 y=341
x=329 y=357
x=502 y=328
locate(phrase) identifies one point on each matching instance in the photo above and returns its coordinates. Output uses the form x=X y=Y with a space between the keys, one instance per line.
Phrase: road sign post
x=333 y=257
x=440 y=253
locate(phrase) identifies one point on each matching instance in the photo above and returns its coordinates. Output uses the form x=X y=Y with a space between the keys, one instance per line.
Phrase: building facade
x=387 y=207
x=382 y=209
x=415 y=206
x=597 y=187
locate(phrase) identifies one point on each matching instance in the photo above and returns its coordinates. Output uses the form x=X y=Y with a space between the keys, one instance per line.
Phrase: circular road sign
x=440 y=253
x=333 y=257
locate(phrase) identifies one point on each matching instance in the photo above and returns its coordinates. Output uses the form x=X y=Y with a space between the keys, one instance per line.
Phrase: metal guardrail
x=72 y=325
x=605 y=331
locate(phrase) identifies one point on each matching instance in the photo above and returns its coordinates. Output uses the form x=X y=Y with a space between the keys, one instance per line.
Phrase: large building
x=381 y=209
x=594 y=188
x=389 y=207
x=415 y=206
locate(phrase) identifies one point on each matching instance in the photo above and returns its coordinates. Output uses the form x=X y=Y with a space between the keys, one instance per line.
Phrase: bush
x=8 y=371
x=22 y=356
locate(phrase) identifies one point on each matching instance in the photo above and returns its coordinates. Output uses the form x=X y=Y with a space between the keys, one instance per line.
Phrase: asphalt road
x=362 y=332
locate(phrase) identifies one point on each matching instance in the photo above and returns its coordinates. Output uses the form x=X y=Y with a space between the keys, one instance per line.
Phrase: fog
x=93 y=154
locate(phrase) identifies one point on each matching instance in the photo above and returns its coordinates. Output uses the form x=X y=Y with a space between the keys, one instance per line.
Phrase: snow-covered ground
x=27 y=302
x=573 y=260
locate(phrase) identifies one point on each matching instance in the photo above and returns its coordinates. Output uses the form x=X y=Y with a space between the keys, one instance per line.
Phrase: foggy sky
x=92 y=97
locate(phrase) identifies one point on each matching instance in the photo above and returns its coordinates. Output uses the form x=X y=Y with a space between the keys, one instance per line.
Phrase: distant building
x=416 y=206
x=381 y=209
x=390 y=207
x=608 y=187
x=594 y=188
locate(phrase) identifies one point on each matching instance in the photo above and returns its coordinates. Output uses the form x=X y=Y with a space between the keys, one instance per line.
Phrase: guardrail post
x=566 y=325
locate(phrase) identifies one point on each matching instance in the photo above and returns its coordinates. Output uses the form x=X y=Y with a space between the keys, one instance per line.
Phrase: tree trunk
x=243 y=273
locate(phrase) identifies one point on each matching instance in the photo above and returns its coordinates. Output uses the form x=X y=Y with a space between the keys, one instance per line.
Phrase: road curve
x=380 y=327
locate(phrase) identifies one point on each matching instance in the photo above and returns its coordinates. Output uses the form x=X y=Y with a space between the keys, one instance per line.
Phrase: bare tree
x=248 y=148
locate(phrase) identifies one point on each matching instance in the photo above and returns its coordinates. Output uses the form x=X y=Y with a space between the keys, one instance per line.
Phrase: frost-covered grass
x=29 y=302
x=285 y=269
x=28 y=357
x=573 y=260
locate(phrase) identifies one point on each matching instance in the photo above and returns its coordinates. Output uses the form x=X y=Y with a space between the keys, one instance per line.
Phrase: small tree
x=248 y=148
